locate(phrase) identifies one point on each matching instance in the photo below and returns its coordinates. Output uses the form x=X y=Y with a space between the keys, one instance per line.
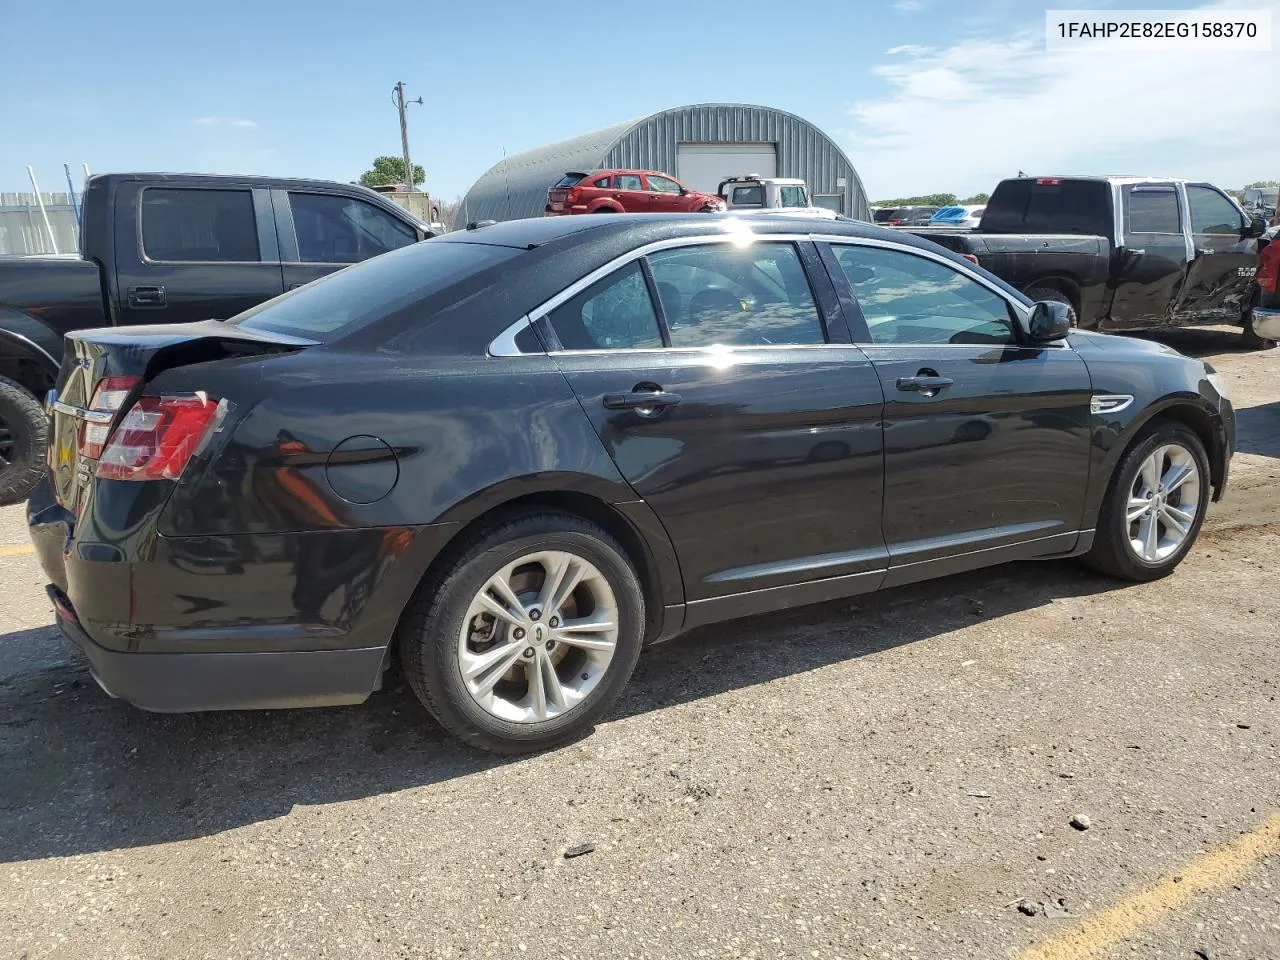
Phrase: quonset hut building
x=701 y=145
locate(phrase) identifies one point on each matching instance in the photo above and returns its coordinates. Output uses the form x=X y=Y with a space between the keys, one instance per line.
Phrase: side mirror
x=1050 y=321
x=1256 y=228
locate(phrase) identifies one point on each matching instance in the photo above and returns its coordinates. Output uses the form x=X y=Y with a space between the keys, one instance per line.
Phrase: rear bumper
x=1266 y=323
x=187 y=682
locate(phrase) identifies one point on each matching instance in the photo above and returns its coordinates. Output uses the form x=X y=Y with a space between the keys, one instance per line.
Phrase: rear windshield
x=883 y=215
x=369 y=291
x=1048 y=206
x=570 y=180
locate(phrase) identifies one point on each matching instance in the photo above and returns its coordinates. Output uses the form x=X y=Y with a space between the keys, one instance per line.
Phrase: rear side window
x=1151 y=209
x=1211 y=212
x=602 y=183
x=373 y=290
x=719 y=294
x=570 y=180
x=615 y=313
x=1050 y=205
x=628 y=181
x=748 y=196
x=199 y=226
x=792 y=197
x=333 y=229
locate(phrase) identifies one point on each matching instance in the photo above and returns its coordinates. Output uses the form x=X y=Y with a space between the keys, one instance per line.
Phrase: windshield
x=369 y=291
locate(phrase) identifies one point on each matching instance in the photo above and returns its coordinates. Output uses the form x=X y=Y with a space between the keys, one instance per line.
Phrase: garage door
x=701 y=166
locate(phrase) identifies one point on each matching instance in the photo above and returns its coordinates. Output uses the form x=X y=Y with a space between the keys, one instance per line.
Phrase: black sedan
x=515 y=454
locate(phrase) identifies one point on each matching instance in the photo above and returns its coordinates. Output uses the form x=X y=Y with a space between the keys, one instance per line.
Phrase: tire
x=24 y=435
x=1113 y=551
x=1251 y=339
x=433 y=645
x=1049 y=293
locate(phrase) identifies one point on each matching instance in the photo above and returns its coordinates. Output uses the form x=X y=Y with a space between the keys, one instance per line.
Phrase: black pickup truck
x=1125 y=253
x=165 y=248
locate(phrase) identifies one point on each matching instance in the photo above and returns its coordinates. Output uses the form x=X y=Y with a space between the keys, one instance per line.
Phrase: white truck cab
x=776 y=195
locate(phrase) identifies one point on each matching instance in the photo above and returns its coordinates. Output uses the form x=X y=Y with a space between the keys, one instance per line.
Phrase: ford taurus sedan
x=515 y=454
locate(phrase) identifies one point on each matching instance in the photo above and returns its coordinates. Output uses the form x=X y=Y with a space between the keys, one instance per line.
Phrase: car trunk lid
x=104 y=374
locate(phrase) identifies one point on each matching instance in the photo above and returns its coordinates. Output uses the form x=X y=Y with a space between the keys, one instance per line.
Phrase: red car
x=626 y=191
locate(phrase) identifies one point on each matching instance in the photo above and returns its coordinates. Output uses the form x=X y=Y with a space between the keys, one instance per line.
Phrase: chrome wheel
x=1163 y=503
x=538 y=637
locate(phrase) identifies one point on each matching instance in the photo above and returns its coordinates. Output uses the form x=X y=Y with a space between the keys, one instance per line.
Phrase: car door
x=628 y=190
x=1149 y=265
x=665 y=195
x=323 y=232
x=986 y=436
x=186 y=253
x=1220 y=278
x=706 y=369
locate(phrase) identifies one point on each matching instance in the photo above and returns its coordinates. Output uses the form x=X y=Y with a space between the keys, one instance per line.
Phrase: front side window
x=199 y=226
x=1151 y=210
x=792 y=197
x=628 y=181
x=718 y=294
x=1211 y=212
x=615 y=313
x=662 y=184
x=333 y=229
x=748 y=196
x=907 y=298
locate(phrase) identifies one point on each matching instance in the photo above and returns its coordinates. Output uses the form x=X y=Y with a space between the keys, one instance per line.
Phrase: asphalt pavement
x=891 y=777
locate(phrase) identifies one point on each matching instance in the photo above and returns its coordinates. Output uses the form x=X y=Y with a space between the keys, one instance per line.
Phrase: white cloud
x=908 y=6
x=225 y=122
x=962 y=117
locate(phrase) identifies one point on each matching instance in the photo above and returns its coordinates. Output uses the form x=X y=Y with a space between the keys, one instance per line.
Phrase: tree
x=1262 y=183
x=977 y=198
x=929 y=200
x=390 y=170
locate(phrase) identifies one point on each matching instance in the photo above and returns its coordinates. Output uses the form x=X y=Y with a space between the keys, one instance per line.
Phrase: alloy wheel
x=1163 y=503
x=538 y=637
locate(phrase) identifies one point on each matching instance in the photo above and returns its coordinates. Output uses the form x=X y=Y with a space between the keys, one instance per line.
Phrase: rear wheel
x=528 y=636
x=1057 y=296
x=24 y=433
x=1156 y=504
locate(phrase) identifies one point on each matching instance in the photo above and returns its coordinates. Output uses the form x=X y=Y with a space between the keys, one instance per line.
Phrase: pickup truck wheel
x=1155 y=505
x=24 y=431
x=1049 y=293
x=528 y=636
x=1251 y=339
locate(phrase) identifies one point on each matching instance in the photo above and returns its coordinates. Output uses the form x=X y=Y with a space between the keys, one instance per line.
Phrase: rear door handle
x=924 y=385
x=638 y=399
x=146 y=296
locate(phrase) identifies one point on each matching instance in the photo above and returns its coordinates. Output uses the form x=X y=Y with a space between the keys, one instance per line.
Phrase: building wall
x=22 y=229
x=517 y=186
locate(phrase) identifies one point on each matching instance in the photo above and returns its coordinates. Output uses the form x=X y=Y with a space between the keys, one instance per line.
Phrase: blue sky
x=922 y=94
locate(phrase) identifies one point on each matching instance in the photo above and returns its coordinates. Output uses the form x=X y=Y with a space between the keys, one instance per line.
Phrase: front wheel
x=529 y=635
x=24 y=433
x=1156 y=504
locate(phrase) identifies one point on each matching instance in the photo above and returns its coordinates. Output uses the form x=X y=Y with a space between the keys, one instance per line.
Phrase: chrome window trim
x=711 y=350
x=504 y=344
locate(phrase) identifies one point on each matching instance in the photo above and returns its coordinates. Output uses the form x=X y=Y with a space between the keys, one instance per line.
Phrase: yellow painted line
x=1217 y=868
x=16 y=549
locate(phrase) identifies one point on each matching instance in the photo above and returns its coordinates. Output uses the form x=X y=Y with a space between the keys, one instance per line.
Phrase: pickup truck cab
x=170 y=248
x=1125 y=253
x=776 y=195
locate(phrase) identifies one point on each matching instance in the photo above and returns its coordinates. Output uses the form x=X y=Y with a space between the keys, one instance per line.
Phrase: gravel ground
x=882 y=778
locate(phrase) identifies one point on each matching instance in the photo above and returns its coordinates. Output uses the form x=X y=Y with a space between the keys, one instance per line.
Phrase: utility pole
x=402 y=106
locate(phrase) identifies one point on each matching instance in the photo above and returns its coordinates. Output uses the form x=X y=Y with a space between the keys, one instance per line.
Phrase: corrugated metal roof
x=517 y=186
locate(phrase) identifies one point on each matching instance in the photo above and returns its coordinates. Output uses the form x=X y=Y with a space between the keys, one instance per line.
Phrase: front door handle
x=1204 y=251
x=925 y=385
x=146 y=296
x=641 y=400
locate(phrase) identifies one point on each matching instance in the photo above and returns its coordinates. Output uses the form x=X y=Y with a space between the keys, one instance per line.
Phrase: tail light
x=1049 y=181
x=108 y=397
x=970 y=257
x=158 y=437
x=573 y=195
